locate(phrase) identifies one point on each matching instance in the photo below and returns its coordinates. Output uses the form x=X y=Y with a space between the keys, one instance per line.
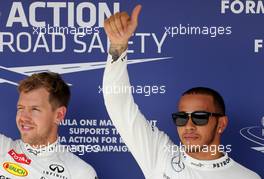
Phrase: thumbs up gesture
x=120 y=27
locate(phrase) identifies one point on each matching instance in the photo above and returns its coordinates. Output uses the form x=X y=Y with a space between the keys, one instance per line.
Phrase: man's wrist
x=116 y=50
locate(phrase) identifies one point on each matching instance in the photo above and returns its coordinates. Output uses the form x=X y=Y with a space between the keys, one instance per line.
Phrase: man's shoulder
x=244 y=171
x=5 y=142
x=79 y=166
x=5 y=139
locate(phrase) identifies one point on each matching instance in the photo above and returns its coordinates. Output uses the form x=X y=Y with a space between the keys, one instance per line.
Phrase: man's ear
x=222 y=124
x=60 y=114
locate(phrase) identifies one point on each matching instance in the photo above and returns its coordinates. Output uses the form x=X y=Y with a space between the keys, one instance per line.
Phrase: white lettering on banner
x=25 y=42
x=258 y=45
x=95 y=43
x=153 y=123
x=114 y=131
x=105 y=123
x=54 y=24
x=69 y=122
x=89 y=131
x=8 y=40
x=238 y=7
x=62 y=139
x=83 y=139
x=82 y=149
x=121 y=140
x=9 y=43
x=113 y=148
x=93 y=135
x=157 y=42
x=82 y=9
x=88 y=122
x=109 y=140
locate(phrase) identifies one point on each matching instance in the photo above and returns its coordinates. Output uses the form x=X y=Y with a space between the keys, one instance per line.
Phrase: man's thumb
x=135 y=14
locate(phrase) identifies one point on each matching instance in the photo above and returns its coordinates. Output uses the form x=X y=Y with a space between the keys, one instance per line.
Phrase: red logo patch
x=20 y=158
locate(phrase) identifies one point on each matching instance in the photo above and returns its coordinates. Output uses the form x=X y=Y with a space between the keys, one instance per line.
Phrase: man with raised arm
x=200 y=120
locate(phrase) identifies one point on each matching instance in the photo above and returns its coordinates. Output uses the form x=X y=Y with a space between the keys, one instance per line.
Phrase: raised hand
x=119 y=28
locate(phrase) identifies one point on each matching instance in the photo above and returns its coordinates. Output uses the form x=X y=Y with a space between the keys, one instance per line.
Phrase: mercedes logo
x=177 y=164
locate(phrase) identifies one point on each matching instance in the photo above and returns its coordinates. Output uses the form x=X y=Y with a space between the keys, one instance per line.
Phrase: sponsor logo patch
x=15 y=169
x=20 y=158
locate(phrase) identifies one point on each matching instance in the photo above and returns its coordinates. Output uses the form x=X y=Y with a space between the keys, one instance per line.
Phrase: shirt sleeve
x=5 y=143
x=147 y=144
x=79 y=168
x=87 y=172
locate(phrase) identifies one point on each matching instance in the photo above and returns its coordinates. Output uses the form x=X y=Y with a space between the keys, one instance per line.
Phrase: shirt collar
x=42 y=151
x=223 y=162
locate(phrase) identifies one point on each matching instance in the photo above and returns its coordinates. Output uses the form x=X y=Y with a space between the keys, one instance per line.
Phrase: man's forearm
x=117 y=50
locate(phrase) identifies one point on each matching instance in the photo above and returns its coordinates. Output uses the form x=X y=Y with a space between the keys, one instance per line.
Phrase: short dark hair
x=59 y=91
x=218 y=99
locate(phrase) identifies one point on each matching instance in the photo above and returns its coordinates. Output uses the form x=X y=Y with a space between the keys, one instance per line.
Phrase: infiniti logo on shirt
x=56 y=168
x=4 y=177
